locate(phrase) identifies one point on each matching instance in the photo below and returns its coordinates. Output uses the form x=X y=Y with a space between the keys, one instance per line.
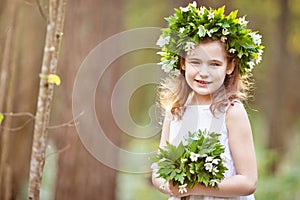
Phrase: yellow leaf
x=1 y=118
x=53 y=78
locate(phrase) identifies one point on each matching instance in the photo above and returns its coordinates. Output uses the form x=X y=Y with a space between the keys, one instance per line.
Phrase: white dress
x=200 y=117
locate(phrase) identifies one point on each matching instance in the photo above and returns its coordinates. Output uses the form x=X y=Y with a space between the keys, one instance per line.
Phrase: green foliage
x=199 y=161
x=192 y=24
x=285 y=182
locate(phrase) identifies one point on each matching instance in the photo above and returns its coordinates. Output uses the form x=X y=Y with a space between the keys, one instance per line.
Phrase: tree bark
x=80 y=176
x=7 y=82
x=45 y=96
x=278 y=111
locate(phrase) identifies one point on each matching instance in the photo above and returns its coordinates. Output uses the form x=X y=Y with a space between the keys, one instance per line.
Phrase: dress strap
x=190 y=96
x=231 y=103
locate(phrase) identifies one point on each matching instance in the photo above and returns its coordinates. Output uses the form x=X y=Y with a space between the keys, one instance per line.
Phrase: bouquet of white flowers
x=197 y=160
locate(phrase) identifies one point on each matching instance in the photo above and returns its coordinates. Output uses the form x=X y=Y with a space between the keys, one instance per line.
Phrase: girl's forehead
x=209 y=50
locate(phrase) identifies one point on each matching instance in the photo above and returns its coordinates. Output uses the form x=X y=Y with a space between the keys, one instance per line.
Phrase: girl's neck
x=200 y=99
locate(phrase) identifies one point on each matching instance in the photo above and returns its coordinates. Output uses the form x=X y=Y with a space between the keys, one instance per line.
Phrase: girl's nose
x=203 y=71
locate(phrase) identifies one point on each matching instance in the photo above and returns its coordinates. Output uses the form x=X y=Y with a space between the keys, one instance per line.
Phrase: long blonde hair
x=174 y=91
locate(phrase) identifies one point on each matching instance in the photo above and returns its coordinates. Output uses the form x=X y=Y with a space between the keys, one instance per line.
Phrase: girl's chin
x=202 y=92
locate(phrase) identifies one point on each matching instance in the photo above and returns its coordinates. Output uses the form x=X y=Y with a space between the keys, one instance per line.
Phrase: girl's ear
x=182 y=63
x=230 y=67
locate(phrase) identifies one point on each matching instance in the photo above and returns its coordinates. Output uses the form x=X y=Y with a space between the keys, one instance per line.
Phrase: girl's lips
x=202 y=83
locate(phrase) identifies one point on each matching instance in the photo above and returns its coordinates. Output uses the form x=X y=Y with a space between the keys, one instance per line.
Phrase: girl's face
x=205 y=70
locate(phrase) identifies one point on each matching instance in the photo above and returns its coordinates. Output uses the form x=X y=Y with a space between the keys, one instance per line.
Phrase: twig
x=58 y=151
x=19 y=127
x=68 y=123
x=71 y=122
x=41 y=10
x=19 y=114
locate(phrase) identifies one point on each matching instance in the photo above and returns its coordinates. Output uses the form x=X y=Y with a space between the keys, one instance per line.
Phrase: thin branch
x=68 y=146
x=19 y=114
x=19 y=127
x=71 y=122
x=41 y=10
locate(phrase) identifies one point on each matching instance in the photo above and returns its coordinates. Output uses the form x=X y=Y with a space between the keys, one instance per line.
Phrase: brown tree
x=49 y=67
x=80 y=176
x=7 y=89
x=282 y=98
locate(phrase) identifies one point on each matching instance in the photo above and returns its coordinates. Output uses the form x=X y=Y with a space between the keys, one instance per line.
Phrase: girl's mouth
x=202 y=83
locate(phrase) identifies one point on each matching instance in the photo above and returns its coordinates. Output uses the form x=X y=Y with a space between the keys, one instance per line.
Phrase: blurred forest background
x=70 y=171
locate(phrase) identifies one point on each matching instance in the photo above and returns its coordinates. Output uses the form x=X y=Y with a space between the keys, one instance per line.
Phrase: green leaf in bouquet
x=191 y=168
x=180 y=177
x=173 y=152
x=187 y=164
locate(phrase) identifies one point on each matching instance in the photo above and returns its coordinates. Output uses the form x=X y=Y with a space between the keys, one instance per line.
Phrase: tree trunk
x=7 y=82
x=49 y=67
x=80 y=176
x=278 y=111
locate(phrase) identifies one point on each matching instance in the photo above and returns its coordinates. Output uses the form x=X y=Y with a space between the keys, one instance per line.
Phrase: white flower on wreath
x=182 y=188
x=168 y=65
x=259 y=56
x=211 y=15
x=185 y=9
x=181 y=30
x=232 y=50
x=162 y=41
x=251 y=64
x=194 y=4
x=209 y=32
x=258 y=59
x=201 y=10
x=175 y=72
x=162 y=53
x=189 y=47
x=223 y=39
x=194 y=156
x=256 y=38
x=225 y=31
x=242 y=21
x=201 y=31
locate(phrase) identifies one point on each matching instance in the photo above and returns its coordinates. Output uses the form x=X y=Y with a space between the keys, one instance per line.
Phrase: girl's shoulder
x=236 y=111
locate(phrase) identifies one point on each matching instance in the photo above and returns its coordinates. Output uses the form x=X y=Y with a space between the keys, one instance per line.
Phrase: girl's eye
x=195 y=63
x=214 y=64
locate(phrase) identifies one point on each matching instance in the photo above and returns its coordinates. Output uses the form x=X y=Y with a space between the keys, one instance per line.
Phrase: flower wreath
x=189 y=25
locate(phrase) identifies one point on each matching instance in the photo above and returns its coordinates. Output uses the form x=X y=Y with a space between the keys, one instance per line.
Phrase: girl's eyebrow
x=210 y=60
x=192 y=58
x=216 y=60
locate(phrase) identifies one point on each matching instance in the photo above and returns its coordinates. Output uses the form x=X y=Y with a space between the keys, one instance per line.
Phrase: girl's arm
x=160 y=183
x=243 y=154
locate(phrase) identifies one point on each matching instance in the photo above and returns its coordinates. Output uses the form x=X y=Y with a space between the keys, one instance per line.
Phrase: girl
x=209 y=57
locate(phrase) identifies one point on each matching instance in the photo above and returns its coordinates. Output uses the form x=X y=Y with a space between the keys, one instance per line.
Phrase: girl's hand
x=174 y=190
